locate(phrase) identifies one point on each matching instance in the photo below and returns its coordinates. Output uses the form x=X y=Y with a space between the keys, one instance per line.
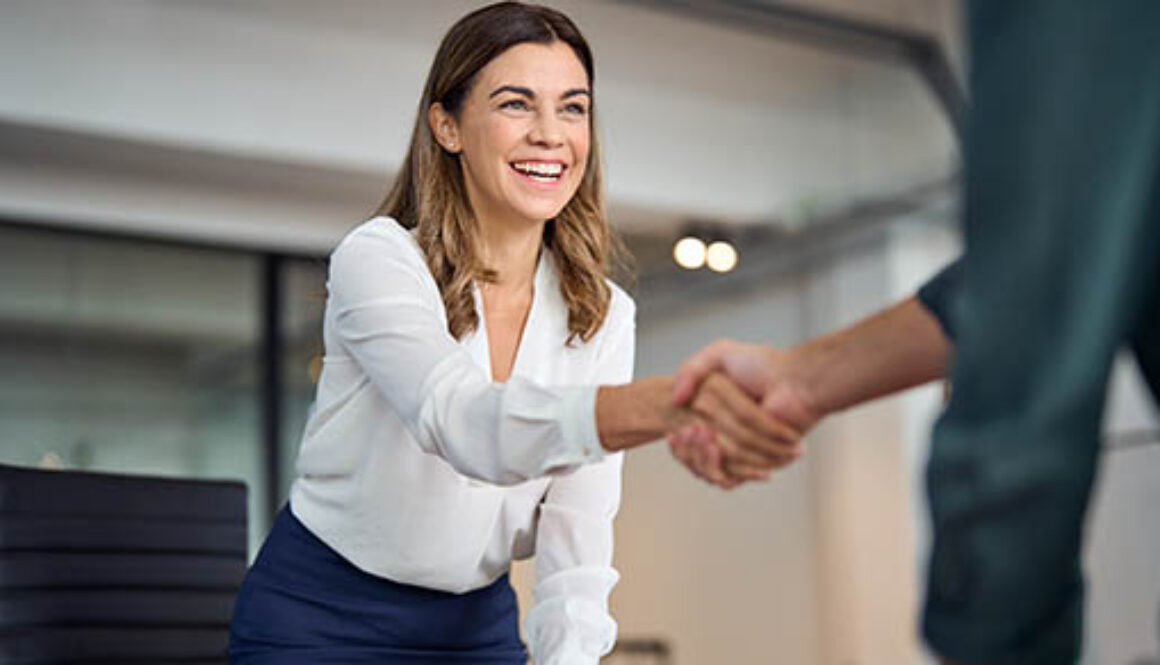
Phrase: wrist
x=634 y=413
x=804 y=372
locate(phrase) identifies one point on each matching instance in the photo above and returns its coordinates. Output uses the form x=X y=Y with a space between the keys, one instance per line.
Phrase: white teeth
x=539 y=169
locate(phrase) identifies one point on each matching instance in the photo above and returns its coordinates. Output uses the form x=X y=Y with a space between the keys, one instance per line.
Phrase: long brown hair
x=429 y=192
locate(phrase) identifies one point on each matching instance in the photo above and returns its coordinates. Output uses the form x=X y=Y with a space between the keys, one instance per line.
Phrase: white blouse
x=416 y=467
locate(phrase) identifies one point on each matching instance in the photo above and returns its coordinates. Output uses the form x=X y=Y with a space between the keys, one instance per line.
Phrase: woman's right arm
x=387 y=313
x=643 y=411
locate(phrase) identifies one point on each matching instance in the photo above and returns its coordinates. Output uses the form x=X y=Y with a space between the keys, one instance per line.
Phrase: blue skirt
x=302 y=603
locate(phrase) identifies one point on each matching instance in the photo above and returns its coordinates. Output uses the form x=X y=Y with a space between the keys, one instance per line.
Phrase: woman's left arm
x=569 y=623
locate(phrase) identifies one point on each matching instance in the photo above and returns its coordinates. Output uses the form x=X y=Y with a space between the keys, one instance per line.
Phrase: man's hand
x=736 y=440
x=762 y=372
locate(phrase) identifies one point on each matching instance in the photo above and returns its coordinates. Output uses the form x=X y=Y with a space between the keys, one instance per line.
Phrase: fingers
x=738 y=463
x=695 y=447
x=695 y=369
x=706 y=455
x=681 y=446
x=759 y=438
x=744 y=472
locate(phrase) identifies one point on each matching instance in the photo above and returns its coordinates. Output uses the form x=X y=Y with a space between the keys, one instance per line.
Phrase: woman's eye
x=515 y=105
x=576 y=109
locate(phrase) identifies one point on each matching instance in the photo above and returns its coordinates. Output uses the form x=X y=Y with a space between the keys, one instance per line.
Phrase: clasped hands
x=745 y=412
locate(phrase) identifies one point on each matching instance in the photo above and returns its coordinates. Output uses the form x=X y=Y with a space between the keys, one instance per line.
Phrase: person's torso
x=396 y=511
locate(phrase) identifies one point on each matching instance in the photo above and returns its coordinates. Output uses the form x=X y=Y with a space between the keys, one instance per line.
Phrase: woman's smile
x=540 y=173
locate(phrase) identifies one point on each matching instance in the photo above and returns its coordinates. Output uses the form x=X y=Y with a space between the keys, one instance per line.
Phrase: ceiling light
x=721 y=256
x=689 y=253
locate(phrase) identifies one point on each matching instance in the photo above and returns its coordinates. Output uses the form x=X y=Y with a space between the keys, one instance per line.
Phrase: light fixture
x=689 y=252
x=721 y=256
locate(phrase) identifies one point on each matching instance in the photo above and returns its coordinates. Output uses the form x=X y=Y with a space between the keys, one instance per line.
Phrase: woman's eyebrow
x=527 y=92
x=519 y=90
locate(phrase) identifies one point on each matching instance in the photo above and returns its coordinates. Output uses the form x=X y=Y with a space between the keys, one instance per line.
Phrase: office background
x=173 y=174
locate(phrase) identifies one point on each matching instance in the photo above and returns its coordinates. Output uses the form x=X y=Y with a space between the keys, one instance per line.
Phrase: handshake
x=733 y=413
x=736 y=412
x=746 y=410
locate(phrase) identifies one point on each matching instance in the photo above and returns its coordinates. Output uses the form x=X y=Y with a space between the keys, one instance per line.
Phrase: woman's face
x=523 y=133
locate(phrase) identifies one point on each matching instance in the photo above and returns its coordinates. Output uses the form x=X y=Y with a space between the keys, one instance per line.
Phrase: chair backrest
x=117 y=569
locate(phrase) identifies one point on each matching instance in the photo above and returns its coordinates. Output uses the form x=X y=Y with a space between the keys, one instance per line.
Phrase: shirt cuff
x=937 y=295
x=578 y=422
x=569 y=623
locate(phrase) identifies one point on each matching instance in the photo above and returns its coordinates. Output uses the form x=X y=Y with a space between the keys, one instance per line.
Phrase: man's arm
x=895 y=349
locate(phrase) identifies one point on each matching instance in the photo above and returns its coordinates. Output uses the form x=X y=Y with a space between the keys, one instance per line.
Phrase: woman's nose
x=547 y=130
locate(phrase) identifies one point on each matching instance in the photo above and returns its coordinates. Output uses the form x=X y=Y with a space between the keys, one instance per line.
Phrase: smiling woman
x=537 y=130
x=509 y=104
x=473 y=395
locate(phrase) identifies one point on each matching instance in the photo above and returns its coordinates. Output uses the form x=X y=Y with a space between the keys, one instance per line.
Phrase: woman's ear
x=444 y=128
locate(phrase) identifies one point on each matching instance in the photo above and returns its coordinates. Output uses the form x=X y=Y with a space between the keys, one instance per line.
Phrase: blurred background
x=174 y=173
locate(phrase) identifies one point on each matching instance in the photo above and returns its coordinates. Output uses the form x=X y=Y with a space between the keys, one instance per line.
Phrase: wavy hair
x=429 y=192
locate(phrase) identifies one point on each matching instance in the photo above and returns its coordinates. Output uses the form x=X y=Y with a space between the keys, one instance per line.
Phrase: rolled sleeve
x=570 y=623
x=938 y=294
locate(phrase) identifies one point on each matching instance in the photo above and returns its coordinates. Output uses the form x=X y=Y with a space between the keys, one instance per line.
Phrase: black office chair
x=117 y=569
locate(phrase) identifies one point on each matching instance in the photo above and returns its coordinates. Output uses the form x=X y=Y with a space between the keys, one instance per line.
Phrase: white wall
x=699 y=120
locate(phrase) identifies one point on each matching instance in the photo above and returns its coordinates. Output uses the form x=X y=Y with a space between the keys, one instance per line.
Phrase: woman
x=458 y=424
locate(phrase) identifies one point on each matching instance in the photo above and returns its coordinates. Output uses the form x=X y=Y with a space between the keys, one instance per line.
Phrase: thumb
x=694 y=370
x=789 y=408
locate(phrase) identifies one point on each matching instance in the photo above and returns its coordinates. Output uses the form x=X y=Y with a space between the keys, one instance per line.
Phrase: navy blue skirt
x=301 y=603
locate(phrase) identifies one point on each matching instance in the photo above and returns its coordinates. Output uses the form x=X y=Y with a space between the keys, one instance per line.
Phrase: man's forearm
x=896 y=349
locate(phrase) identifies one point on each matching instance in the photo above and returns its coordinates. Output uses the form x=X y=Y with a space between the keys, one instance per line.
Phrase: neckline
x=526 y=333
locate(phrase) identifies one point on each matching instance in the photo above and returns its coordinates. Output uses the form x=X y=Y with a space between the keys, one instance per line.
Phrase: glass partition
x=131 y=356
